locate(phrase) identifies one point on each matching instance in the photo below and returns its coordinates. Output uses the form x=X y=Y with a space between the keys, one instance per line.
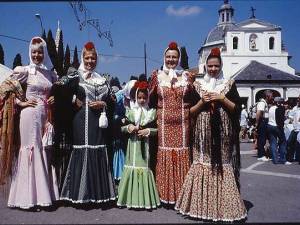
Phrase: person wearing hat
x=211 y=187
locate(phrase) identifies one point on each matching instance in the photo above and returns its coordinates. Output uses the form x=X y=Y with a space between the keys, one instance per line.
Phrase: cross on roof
x=252 y=16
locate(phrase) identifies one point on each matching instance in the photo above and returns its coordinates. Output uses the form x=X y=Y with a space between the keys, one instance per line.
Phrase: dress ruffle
x=137 y=189
x=88 y=178
x=207 y=195
x=171 y=169
x=118 y=163
x=34 y=180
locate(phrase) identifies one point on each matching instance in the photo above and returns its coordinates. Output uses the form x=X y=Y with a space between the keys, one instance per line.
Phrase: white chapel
x=253 y=54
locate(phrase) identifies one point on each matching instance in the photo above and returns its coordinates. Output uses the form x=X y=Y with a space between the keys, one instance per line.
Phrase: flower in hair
x=140 y=85
x=173 y=46
x=215 y=52
x=89 y=46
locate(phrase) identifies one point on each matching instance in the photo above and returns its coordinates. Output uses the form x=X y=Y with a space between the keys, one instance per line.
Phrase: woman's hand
x=78 y=103
x=50 y=100
x=29 y=103
x=190 y=77
x=216 y=97
x=97 y=104
x=143 y=133
x=131 y=128
x=206 y=97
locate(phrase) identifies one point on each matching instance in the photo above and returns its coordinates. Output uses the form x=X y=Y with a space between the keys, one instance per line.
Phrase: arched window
x=227 y=17
x=235 y=42
x=271 y=43
x=253 y=42
x=223 y=17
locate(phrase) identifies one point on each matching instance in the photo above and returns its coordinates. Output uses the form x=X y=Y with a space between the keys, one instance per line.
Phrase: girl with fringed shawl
x=211 y=187
x=33 y=178
x=137 y=187
x=88 y=177
x=171 y=94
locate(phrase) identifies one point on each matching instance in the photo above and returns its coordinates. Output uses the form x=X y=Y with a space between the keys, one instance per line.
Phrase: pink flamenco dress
x=33 y=179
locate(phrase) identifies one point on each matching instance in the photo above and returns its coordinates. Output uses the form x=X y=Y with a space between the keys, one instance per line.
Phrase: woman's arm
x=194 y=110
x=20 y=73
x=130 y=128
x=221 y=98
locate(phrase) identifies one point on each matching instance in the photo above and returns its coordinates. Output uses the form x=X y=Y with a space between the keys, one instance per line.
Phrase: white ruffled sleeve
x=20 y=73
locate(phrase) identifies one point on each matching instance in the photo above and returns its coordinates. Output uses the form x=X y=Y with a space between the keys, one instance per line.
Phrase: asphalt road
x=271 y=194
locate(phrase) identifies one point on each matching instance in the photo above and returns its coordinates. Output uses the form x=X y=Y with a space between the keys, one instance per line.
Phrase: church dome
x=218 y=33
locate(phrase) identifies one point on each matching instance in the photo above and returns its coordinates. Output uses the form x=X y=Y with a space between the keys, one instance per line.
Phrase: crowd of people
x=172 y=141
x=273 y=125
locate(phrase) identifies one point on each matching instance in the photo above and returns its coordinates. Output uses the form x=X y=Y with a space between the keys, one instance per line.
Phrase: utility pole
x=145 y=58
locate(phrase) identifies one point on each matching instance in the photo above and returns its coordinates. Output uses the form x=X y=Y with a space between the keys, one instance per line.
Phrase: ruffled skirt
x=118 y=161
x=171 y=169
x=88 y=177
x=137 y=189
x=207 y=195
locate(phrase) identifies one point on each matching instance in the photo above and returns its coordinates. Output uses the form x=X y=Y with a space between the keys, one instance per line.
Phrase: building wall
x=236 y=59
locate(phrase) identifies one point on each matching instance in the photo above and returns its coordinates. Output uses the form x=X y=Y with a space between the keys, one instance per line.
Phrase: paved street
x=270 y=192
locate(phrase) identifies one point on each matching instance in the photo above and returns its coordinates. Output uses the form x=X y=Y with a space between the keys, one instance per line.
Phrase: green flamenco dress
x=137 y=187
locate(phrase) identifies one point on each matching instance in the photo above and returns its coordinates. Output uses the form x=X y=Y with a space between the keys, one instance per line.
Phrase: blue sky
x=135 y=23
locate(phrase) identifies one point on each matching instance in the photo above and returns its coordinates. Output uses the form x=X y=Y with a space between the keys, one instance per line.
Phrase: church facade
x=253 y=54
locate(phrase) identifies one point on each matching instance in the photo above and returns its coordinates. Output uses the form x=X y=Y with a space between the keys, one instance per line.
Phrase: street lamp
x=38 y=16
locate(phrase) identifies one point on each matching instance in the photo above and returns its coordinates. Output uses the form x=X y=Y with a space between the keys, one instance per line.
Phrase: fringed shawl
x=10 y=89
x=231 y=93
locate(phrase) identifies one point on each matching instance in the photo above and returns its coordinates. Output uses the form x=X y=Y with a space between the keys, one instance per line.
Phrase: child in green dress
x=137 y=188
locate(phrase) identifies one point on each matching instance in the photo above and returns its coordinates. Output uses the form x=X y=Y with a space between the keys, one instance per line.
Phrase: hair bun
x=89 y=46
x=173 y=46
x=36 y=40
x=215 y=52
x=140 y=85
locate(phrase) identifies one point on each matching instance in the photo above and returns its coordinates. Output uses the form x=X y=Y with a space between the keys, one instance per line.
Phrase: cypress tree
x=17 y=61
x=51 y=49
x=67 y=61
x=1 y=55
x=184 y=63
x=75 y=62
x=60 y=56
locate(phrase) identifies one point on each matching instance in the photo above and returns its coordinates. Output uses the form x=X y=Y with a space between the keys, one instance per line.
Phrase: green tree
x=60 y=56
x=1 y=55
x=184 y=62
x=75 y=62
x=51 y=49
x=17 y=61
x=67 y=60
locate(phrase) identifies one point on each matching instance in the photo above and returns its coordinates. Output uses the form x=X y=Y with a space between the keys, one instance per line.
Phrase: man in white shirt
x=275 y=131
x=243 y=122
x=261 y=124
